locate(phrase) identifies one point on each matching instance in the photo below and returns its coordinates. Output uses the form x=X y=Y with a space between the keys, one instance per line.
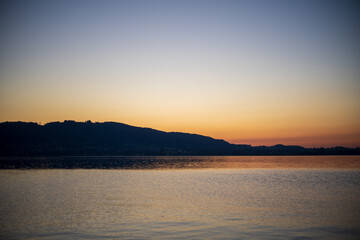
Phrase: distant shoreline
x=70 y=138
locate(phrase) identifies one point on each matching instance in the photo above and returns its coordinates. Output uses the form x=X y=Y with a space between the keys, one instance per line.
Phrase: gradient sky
x=253 y=72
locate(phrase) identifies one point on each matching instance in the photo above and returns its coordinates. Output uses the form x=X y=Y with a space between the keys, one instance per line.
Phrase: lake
x=312 y=197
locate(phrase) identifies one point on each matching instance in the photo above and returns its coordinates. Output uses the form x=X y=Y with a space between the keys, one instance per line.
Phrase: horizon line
x=246 y=144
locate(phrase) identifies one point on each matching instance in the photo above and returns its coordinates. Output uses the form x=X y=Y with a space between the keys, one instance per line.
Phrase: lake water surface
x=206 y=198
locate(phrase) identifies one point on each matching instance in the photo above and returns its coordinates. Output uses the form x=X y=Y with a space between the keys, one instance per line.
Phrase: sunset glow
x=249 y=72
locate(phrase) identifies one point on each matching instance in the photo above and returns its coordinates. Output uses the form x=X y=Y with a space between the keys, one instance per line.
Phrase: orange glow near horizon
x=255 y=135
x=219 y=69
x=351 y=140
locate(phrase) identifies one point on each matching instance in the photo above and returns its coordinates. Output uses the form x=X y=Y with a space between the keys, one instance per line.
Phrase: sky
x=250 y=72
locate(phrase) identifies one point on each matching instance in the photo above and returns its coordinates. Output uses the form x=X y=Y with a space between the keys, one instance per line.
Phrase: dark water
x=216 y=201
x=181 y=162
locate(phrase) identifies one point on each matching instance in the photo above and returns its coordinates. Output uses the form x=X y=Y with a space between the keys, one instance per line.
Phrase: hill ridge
x=113 y=138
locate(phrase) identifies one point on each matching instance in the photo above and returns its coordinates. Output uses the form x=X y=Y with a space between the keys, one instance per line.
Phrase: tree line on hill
x=70 y=138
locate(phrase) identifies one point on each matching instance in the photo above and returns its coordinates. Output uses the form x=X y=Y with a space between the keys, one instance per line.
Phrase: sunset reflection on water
x=180 y=204
x=183 y=162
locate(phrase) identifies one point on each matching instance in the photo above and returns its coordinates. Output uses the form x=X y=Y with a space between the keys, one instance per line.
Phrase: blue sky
x=246 y=71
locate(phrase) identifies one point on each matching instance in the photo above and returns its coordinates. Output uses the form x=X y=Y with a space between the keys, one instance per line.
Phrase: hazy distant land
x=70 y=138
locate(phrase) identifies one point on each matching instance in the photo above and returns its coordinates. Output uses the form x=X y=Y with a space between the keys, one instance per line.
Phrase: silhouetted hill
x=111 y=138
